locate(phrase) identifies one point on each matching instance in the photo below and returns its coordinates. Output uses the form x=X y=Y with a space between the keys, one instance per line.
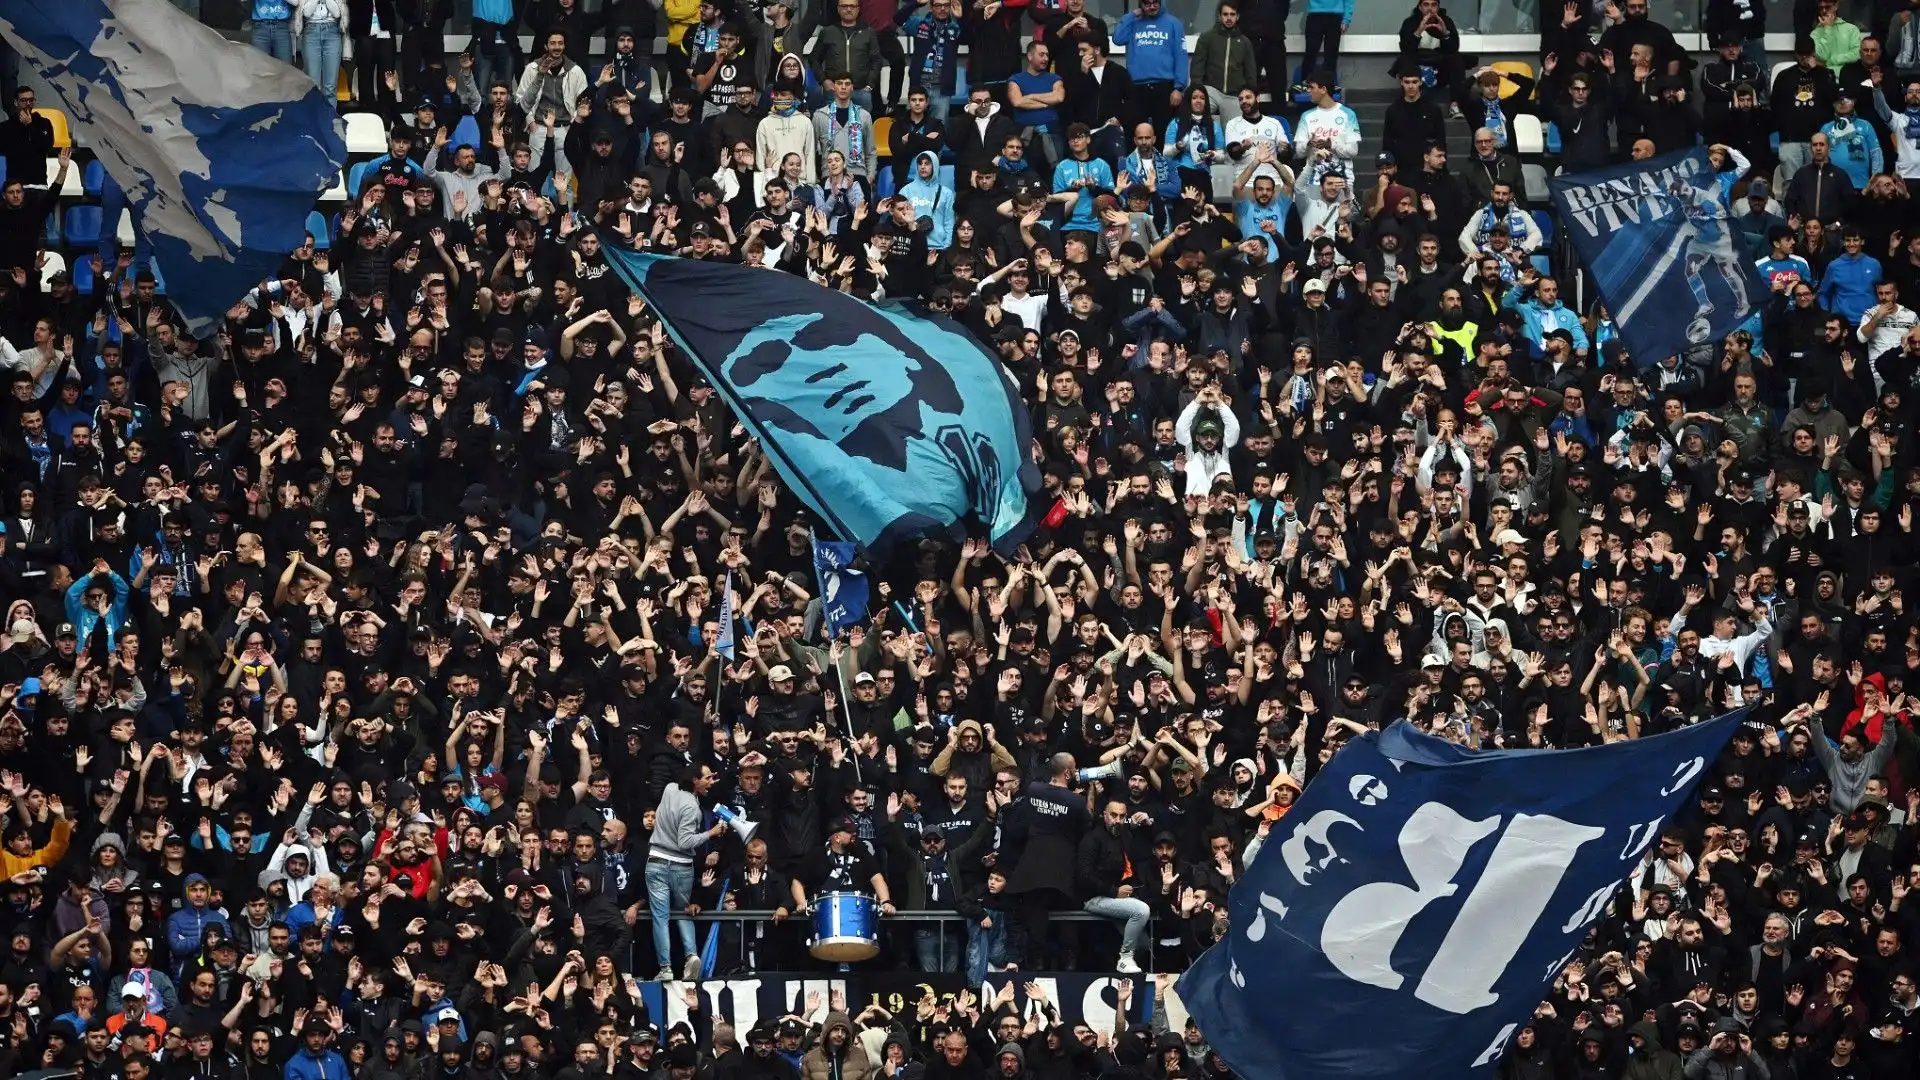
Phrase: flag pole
x=839 y=673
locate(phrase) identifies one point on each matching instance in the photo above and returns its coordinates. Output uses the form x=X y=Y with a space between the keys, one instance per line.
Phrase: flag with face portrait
x=887 y=423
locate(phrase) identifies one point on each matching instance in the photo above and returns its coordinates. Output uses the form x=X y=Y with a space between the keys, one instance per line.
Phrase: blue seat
x=83 y=273
x=317 y=225
x=93 y=178
x=466 y=132
x=883 y=183
x=1553 y=137
x=357 y=174
x=1545 y=223
x=946 y=177
x=82 y=226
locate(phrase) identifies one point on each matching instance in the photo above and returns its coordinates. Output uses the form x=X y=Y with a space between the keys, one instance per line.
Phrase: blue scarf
x=1912 y=121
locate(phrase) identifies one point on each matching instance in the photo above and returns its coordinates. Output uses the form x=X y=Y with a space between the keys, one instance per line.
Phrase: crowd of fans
x=362 y=708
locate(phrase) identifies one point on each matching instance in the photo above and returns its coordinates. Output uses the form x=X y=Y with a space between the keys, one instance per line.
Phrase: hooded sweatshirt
x=932 y=202
x=849 y=1062
x=1652 y=1061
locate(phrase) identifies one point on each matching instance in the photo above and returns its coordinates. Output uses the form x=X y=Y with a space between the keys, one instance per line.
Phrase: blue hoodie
x=1156 y=47
x=932 y=201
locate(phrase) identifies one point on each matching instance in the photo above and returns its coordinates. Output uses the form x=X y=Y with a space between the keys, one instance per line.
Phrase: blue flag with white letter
x=843 y=590
x=886 y=423
x=724 y=643
x=220 y=148
x=1662 y=250
x=1404 y=917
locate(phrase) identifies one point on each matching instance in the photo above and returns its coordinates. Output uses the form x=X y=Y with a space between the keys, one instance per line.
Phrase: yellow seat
x=1511 y=67
x=62 y=135
x=883 y=137
x=343 y=90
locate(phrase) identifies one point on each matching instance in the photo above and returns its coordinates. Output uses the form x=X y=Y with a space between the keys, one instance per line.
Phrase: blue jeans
x=320 y=51
x=1135 y=913
x=985 y=945
x=1793 y=157
x=113 y=199
x=670 y=890
x=275 y=38
x=938 y=947
x=494 y=60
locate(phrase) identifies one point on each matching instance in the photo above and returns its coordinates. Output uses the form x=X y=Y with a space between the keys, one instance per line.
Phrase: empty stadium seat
x=73 y=187
x=1552 y=133
x=55 y=263
x=62 y=134
x=1528 y=138
x=366 y=133
x=317 y=225
x=1533 y=177
x=123 y=230
x=338 y=192
x=83 y=273
x=356 y=176
x=93 y=178
x=1511 y=67
x=466 y=132
x=81 y=227
x=882 y=137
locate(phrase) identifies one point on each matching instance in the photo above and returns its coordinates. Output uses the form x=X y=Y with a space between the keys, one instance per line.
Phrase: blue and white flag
x=887 y=424
x=843 y=591
x=220 y=148
x=1402 y=920
x=724 y=643
x=1663 y=253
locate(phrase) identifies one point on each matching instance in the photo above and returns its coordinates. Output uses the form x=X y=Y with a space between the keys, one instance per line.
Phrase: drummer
x=845 y=865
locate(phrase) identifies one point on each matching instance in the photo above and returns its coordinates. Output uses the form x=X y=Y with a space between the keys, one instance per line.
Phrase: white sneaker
x=665 y=974
x=692 y=969
x=1125 y=965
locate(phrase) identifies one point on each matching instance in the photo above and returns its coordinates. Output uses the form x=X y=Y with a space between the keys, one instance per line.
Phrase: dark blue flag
x=1662 y=250
x=220 y=148
x=1402 y=920
x=843 y=591
x=886 y=423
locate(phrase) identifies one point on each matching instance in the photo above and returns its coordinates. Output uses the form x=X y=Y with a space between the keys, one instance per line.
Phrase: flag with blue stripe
x=887 y=423
x=1404 y=917
x=843 y=590
x=1663 y=253
x=220 y=148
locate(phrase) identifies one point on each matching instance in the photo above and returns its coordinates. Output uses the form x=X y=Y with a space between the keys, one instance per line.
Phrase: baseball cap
x=1313 y=285
x=779 y=673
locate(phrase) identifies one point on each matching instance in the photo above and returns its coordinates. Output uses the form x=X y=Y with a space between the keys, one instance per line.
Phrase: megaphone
x=737 y=823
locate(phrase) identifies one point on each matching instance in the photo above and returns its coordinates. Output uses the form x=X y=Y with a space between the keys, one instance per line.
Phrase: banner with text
x=746 y=999
x=1657 y=239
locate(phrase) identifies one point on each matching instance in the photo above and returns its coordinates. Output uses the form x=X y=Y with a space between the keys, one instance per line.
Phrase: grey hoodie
x=678 y=828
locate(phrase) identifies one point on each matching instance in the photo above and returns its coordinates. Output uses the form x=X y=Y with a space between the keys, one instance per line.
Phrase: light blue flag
x=1403 y=919
x=724 y=643
x=843 y=591
x=220 y=148
x=1662 y=250
x=888 y=424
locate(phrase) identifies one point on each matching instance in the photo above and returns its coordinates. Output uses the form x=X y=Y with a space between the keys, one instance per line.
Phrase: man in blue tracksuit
x=1846 y=288
x=1326 y=21
x=1156 y=45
